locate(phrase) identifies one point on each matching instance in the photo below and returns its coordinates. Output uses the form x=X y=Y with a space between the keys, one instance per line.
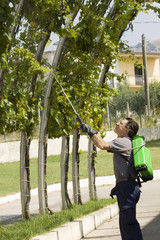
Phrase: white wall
x=152 y=133
x=10 y=151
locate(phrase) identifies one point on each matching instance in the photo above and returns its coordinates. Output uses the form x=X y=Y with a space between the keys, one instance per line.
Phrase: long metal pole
x=67 y=98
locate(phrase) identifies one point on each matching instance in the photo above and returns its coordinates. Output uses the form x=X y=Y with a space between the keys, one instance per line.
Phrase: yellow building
x=135 y=72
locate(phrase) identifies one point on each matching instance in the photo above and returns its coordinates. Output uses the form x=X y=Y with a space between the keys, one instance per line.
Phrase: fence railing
x=135 y=80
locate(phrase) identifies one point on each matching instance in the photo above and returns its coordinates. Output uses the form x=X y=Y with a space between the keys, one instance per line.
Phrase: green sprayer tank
x=142 y=158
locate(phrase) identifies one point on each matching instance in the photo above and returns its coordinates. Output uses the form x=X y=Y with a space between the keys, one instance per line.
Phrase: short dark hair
x=133 y=126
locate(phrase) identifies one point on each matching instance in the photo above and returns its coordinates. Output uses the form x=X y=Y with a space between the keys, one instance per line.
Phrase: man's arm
x=100 y=143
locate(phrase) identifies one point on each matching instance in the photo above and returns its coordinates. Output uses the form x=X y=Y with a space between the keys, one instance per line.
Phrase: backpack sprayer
x=142 y=159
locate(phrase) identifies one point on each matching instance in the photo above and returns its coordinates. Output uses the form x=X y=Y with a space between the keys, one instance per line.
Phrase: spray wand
x=94 y=147
x=68 y=99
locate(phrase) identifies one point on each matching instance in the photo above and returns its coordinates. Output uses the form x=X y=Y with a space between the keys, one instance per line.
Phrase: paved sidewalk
x=148 y=215
x=10 y=206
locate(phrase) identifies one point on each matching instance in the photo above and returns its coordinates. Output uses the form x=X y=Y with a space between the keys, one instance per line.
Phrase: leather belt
x=125 y=179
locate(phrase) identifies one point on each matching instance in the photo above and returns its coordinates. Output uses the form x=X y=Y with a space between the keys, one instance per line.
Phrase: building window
x=138 y=74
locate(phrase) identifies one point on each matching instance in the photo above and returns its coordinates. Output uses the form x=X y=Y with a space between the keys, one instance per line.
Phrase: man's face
x=121 y=128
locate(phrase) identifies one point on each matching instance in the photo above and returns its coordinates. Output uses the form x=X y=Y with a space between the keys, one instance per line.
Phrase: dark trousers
x=128 y=194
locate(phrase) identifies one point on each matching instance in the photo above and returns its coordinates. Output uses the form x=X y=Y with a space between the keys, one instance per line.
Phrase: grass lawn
x=44 y=223
x=9 y=172
x=154 y=147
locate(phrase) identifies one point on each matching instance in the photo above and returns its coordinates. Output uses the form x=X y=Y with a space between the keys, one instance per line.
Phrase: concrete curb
x=79 y=228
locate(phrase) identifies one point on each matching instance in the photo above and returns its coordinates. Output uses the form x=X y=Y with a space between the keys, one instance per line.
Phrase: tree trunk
x=24 y=156
x=103 y=75
x=42 y=175
x=25 y=175
x=75 y=168
x=44 y=133
x=66 y=202
x=44 y=119
x=91 y=170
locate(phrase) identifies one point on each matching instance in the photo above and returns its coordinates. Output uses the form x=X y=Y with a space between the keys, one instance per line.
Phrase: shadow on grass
x=12 y=219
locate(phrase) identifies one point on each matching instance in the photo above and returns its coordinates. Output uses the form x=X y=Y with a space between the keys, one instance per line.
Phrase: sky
x=145 y=23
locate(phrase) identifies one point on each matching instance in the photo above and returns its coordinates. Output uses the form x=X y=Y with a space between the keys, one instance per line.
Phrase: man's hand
x=100 y=143
x=87 y=129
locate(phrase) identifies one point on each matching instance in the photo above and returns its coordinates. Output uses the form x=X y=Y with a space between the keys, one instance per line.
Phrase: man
x=126 y=188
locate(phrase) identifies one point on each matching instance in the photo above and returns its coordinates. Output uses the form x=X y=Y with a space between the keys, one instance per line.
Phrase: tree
x=136 y=100
x=26 y=136
x=39 y=28
x=7 y=12
x=8 y=32
x=39 y=39
x=154 y=89
x=19 y=110
x=44 y=120
x=126 y=94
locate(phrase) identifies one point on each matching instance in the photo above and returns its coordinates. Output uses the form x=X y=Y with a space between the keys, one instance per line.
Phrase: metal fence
x=144 y=119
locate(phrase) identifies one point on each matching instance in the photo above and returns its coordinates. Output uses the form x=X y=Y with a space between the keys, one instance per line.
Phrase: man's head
x=126 y=127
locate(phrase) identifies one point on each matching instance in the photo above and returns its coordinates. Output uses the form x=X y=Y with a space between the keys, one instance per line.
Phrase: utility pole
x=146 y=86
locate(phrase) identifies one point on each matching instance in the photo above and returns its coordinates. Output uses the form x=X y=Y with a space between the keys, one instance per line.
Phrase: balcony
x=137 y=80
